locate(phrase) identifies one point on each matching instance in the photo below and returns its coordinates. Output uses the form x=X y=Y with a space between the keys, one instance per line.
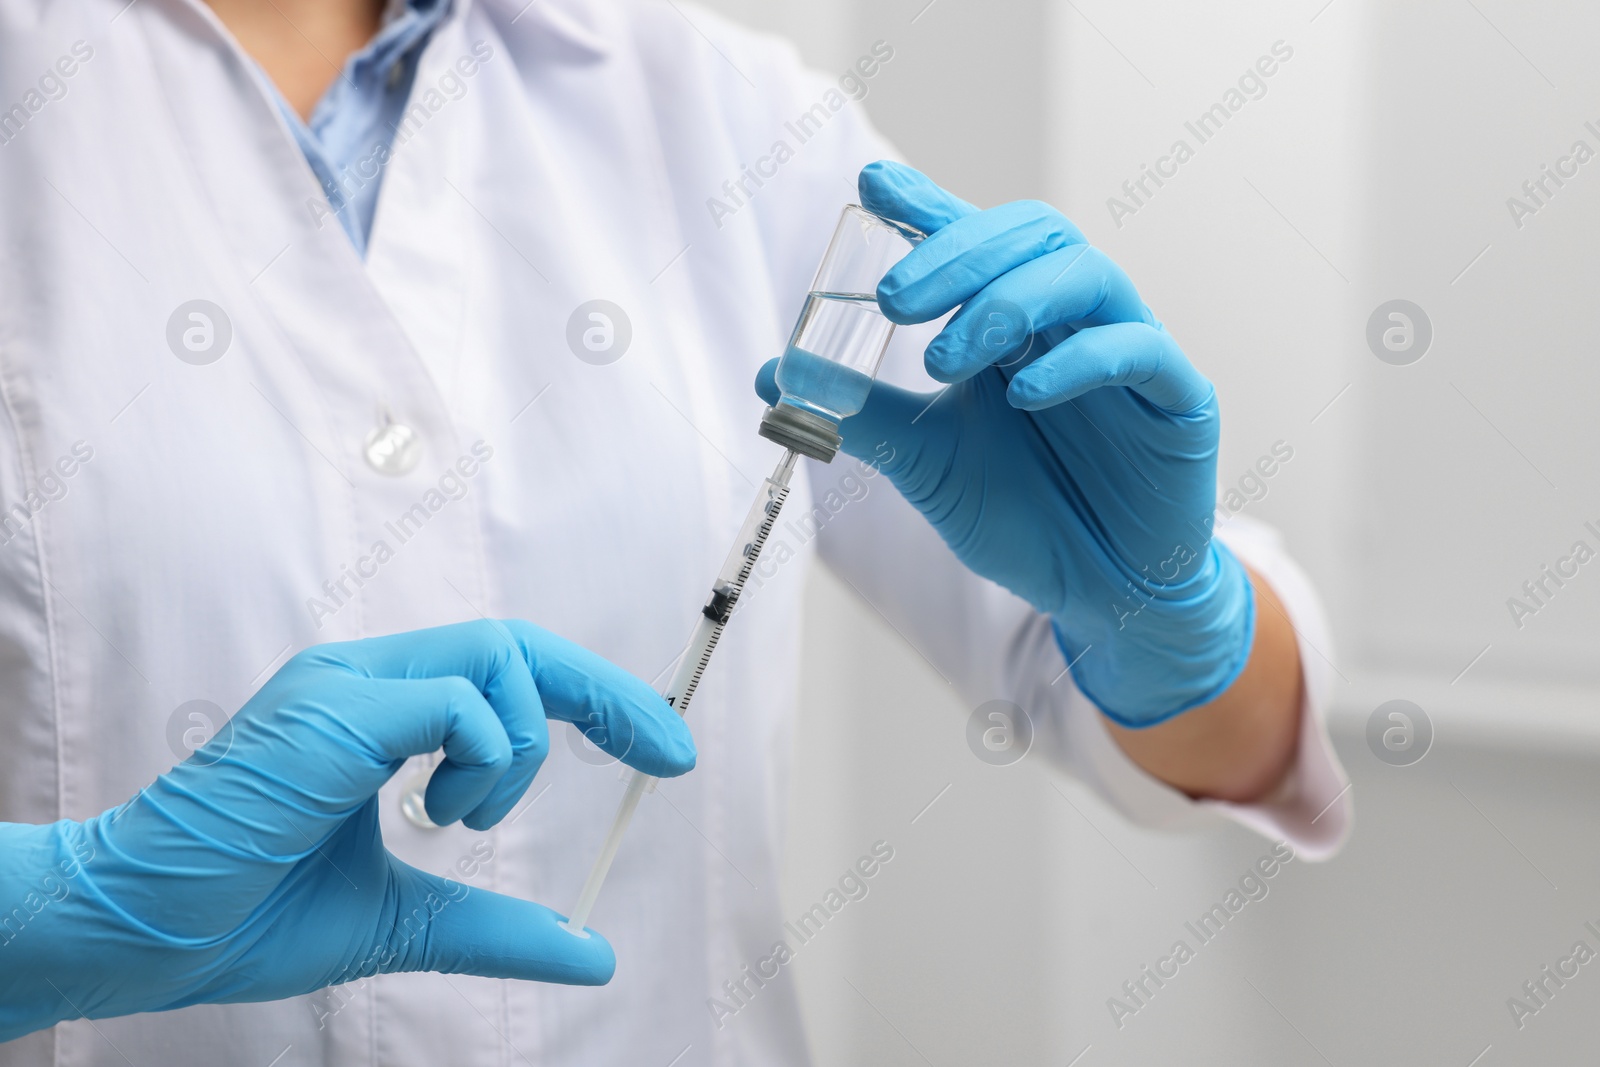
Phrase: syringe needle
x=680 y=689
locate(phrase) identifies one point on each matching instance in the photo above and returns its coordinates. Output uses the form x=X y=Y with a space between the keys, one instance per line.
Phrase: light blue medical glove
x=1072 y=459
x=255 y=870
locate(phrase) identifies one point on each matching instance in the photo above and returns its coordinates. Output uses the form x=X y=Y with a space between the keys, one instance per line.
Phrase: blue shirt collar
x=347 y=139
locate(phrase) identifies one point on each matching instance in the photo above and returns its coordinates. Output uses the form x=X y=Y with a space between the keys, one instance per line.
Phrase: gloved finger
x=906 y=195
x=425 y=714
x=622 y=715
x=1078 y=286
x=948 y=268
x=445 y=926
x=326 y=742
x=767 y=382
x=895 y=431
x=885 y=430
x=485 y=653
x=1143 y=358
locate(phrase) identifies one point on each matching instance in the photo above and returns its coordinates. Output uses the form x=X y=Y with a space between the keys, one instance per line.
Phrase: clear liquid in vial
x=837 y=333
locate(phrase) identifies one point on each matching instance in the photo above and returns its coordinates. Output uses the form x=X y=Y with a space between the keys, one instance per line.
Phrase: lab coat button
x=393 y=448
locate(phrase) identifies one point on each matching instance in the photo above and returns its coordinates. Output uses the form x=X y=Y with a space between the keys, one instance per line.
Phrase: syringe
x=824 y=377
x=708 y=630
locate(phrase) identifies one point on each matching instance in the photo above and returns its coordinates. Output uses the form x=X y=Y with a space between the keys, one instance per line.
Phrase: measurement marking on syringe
x=694 y=679
x=723 y=600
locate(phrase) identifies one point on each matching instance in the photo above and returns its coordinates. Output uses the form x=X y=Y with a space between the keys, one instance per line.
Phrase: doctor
x=285 y=364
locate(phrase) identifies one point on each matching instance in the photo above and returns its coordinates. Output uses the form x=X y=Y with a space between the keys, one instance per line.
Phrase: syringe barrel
x=747 y=546
x=686 y=678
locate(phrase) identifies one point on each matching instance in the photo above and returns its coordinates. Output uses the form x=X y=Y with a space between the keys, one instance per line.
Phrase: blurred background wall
x=1377 y=164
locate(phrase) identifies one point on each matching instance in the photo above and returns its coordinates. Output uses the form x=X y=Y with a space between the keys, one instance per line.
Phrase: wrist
x=43 y=871
x=1155 y=655
x=1240 y=746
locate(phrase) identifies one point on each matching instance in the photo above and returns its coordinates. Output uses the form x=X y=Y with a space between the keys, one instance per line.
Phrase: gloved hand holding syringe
x=824 y=375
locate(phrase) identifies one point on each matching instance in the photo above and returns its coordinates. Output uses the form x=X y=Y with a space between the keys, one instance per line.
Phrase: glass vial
x=833 y=355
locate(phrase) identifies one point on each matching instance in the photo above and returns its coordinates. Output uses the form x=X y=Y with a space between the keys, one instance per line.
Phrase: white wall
x=1376 y=166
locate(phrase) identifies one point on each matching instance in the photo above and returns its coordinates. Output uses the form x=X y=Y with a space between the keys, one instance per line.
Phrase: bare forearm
x=1239 y=746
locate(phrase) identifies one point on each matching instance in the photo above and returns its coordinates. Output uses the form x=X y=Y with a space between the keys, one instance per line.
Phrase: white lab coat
x=177 y=562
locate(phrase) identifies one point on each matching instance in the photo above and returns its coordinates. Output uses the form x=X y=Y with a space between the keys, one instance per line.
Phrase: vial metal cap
x=804 y=431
